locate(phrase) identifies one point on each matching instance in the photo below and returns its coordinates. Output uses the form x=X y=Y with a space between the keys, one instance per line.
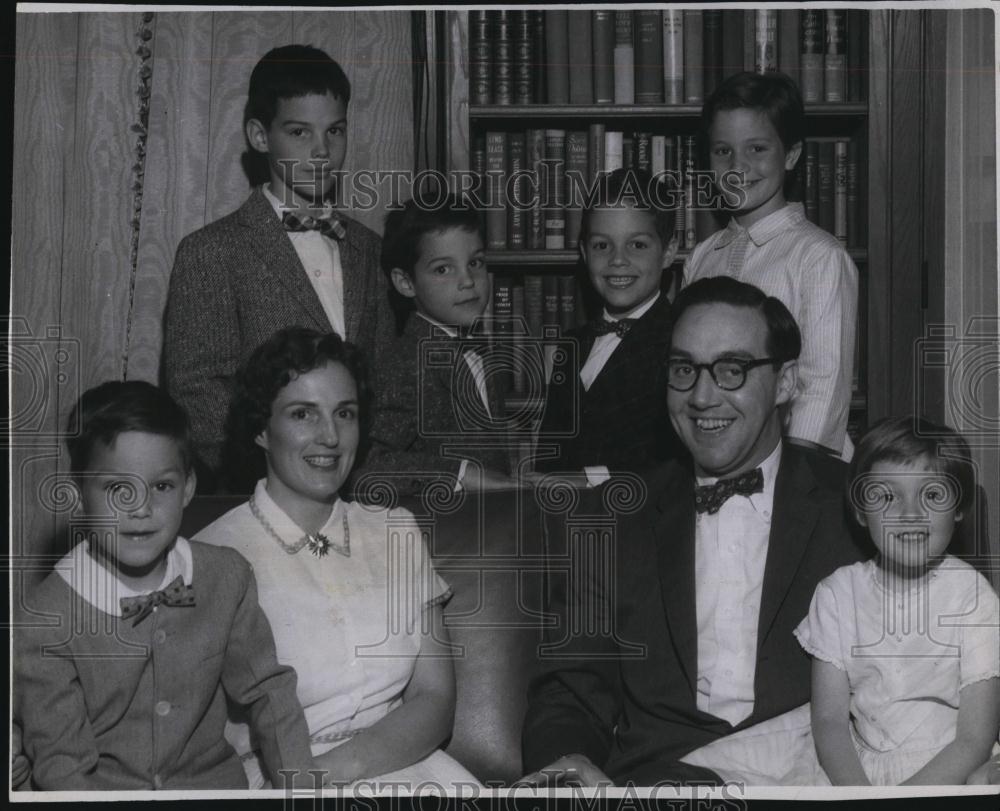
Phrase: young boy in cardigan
x=425 y=411
x=145 y=634
x=754 y=125
x=608 y=412
x=284 y=258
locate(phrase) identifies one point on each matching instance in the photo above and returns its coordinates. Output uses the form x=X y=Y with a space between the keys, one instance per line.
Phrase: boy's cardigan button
x=162 y=708
x=160 y=636
x=157 y=781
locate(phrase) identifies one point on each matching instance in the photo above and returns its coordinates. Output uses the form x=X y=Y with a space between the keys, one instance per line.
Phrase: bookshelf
x=875 y=119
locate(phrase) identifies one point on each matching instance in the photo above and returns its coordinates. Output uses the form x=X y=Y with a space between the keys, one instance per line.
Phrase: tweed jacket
x=627 y=698
x=621 y=422
x=106 y=704
x=428 y=414
x=237 y=281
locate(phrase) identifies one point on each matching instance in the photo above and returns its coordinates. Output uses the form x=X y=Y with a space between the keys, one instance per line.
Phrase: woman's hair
x=273 y=365
x=115 y=407
x=912 y=441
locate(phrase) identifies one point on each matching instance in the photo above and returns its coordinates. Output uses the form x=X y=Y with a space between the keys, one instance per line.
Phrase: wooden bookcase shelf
x=883 y=123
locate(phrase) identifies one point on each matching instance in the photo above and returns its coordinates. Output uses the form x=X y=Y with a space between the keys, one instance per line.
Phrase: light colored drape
x=81 y=312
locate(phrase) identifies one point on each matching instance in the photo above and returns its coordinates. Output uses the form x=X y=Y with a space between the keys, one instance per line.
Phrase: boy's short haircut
x=784 y=340
x=115 y=407
x=774 y=94
x=426 y=213
x=912 y=441
x=638 y=189
x=292 y=71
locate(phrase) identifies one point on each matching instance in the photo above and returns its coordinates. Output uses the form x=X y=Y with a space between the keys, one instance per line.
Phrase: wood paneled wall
x=75 y=100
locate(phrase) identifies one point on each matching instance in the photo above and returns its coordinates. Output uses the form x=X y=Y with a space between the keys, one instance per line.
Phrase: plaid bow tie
x=329 y=227
x=142 y=606
x=603 y=326
x=709 y=498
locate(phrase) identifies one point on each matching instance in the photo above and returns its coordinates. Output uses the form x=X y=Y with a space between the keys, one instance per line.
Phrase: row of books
x=536 y=181
x=672 y=56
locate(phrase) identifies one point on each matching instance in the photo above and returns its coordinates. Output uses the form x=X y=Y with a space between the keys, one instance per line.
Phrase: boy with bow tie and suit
x=606 y=408
x=438 y=412
x=284 y=258
x=124 y=685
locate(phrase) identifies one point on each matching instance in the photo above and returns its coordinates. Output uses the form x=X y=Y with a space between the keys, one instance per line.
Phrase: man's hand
x=574 y=479
x=478 y=480
x=570 y=770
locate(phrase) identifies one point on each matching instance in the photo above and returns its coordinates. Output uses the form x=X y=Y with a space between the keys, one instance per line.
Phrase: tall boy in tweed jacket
x=284 y=258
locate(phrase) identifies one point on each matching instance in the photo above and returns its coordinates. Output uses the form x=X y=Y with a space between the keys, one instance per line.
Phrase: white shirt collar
x=638 y=312
x=283 y=524
x=769 y=467
x=448 y=330
x=101 y=587
x=280 y=208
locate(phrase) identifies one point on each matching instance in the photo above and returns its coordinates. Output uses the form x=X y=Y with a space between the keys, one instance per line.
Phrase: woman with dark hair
x=350 y=590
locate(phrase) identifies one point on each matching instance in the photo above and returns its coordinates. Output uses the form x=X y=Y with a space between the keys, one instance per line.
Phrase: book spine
x=556 y=58
x=516 y=214
x=555 y=213
x=519 y=370
x=857 y=41
x=595 y=152
x=810 y=193
x=694 y=61
x=853 y=193
x=567 y=302
x=522 y=59
x=690 y=232
x=603 y=27
x=811 y=56
x=550 y=301
x=534 y=149
x=732 y=42
x=680 y=221
x=658 y=156
x=502 y=301
x=624 y=59
x=496 y=213
x=576 y=180
x=628 y=151
x=614 y=149
x=648 y=57
x=788 y=43
x=533 y=304
x=765 y=57
x=581 y=51
x=673 y=57
x=826 y=169
x=835 y=56
x=536 y=20
x=712 y=50
x=480 y=50
x=840 y=190
x=749 y=39
x=477 y=159
x=503 y=57
x=644 y=151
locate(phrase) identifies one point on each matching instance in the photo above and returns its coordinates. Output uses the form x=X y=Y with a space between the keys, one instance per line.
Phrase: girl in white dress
x=906 y=647
x=350 y=592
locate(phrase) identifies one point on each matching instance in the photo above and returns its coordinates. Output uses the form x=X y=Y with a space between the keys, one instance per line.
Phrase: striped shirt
x=808 y=269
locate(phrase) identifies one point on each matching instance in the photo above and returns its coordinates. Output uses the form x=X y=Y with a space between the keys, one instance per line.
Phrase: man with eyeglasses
x=707 y=580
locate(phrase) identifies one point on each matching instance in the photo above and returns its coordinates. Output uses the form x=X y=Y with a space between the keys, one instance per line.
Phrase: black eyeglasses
x=729 y=374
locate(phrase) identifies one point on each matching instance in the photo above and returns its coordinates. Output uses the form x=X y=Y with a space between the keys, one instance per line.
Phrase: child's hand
x=479 y=480
x=986 y=775
x=20 y=768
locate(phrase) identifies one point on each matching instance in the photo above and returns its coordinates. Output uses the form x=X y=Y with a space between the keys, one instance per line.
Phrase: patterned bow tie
x=142 y=606
x=328 y=227
x=709 y=498
x=605 y=327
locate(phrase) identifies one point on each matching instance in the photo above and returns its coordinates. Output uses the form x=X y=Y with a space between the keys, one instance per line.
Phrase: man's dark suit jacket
x=237 y=281
x=428 y=414
x=621 y=422
x=634 y=713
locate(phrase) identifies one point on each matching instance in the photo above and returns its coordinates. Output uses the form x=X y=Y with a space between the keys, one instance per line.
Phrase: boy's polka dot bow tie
x=329 y=227
x=142 y=606
x=709 y=498
x=603 y=326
